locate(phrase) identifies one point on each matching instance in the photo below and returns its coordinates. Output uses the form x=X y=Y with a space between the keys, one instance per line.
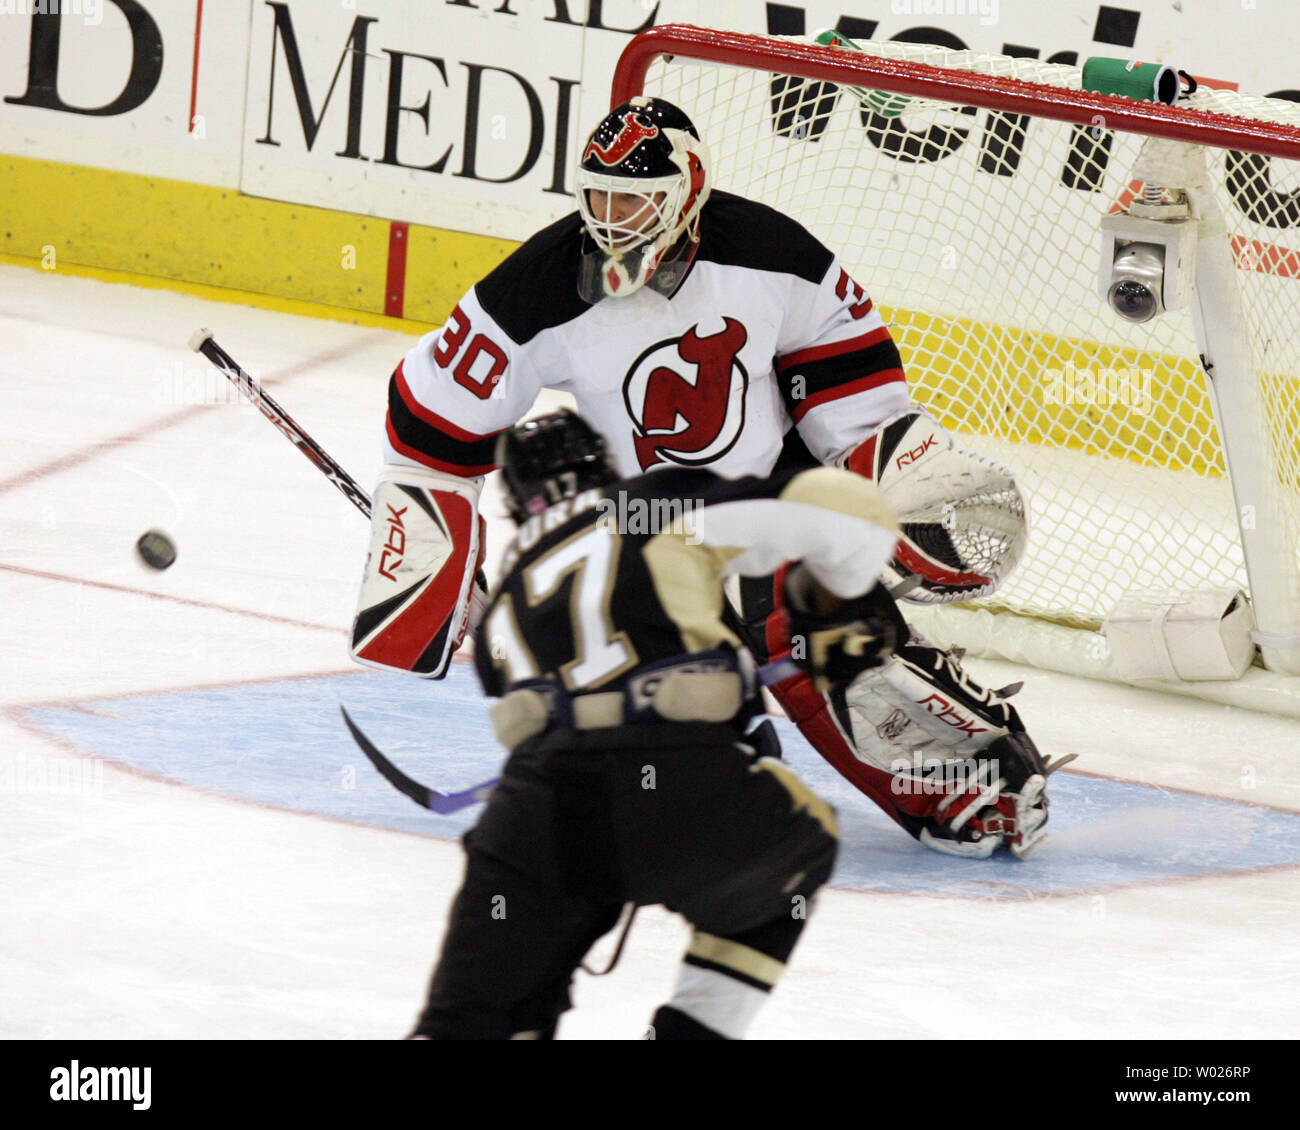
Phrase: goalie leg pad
x=919 y=706
x=814 y=715
x=960 y=761
x=906 y=742
x=944 y=757
x=419 y=574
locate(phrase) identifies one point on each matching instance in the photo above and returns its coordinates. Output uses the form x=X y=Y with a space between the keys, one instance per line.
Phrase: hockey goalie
x=697 y=328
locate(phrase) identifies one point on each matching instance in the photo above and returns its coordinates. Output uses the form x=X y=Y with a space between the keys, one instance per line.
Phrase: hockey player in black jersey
x=698 y=329
x=624 y=699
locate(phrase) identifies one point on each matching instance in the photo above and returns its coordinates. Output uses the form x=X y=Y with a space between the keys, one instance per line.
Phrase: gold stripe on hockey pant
x=755 y=967
x=802 y=798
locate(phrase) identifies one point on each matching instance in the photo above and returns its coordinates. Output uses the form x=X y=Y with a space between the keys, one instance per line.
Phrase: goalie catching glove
x=962 y=515
x=423 y=579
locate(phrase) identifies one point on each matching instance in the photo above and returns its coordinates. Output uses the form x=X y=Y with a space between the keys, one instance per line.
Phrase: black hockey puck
x=156 y=549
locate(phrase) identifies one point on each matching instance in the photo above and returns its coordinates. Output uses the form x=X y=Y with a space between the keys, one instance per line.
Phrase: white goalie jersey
x=765 y=332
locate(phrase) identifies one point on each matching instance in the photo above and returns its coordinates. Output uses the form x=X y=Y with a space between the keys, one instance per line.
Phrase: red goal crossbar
x=852 y=68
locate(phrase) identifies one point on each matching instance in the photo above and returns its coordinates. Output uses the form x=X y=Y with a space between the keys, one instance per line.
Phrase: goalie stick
x=425 y=797
x=201 y=341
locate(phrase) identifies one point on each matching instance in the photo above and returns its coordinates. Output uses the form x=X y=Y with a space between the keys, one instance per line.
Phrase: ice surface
x=190 y=846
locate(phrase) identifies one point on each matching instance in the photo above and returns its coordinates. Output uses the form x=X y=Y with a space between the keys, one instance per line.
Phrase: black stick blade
x=425 y=797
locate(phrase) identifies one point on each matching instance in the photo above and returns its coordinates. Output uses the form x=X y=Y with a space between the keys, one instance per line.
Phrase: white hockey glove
x=963 y=518
x=423 y=581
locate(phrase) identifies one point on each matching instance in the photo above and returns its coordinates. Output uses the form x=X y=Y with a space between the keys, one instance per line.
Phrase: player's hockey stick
x=425 y=797
x=201 y=341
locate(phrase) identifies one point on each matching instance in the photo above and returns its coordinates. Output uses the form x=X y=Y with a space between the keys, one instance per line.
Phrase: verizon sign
x=450 y=114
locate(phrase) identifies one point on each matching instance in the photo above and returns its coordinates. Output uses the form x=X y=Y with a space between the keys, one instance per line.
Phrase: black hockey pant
x=585 y=821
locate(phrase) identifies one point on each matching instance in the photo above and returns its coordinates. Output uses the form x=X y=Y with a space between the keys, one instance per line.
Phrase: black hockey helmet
x=551 y=458
x=649 y=150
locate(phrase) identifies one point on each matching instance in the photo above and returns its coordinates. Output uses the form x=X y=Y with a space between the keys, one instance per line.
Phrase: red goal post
x=974 y=216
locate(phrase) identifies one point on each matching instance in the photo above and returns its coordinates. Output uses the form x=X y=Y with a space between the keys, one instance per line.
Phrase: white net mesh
x=976 y=232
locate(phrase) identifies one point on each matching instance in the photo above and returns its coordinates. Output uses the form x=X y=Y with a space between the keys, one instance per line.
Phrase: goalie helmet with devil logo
x=642 y=181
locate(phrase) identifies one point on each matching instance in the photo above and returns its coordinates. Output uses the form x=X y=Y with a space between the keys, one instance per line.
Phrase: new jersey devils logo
x=687 y=397
x=631 y=133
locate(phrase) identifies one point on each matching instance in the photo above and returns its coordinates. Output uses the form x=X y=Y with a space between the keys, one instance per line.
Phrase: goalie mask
x=642 y=181
x=551 y=458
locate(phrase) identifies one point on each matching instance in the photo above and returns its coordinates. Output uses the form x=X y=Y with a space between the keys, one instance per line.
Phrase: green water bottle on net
x=885 y=104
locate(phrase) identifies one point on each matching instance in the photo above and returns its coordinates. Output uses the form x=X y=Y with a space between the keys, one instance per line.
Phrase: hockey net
x=976 y=231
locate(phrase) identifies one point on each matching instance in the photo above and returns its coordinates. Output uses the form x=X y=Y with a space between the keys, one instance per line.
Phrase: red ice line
x=189 y=601
x=77 y=458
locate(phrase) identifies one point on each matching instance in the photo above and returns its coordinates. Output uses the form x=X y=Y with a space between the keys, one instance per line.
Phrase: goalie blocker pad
x=963 y=519
x=424 y=550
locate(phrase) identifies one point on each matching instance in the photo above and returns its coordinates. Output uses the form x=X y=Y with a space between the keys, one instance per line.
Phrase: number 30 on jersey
x=481 y=364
